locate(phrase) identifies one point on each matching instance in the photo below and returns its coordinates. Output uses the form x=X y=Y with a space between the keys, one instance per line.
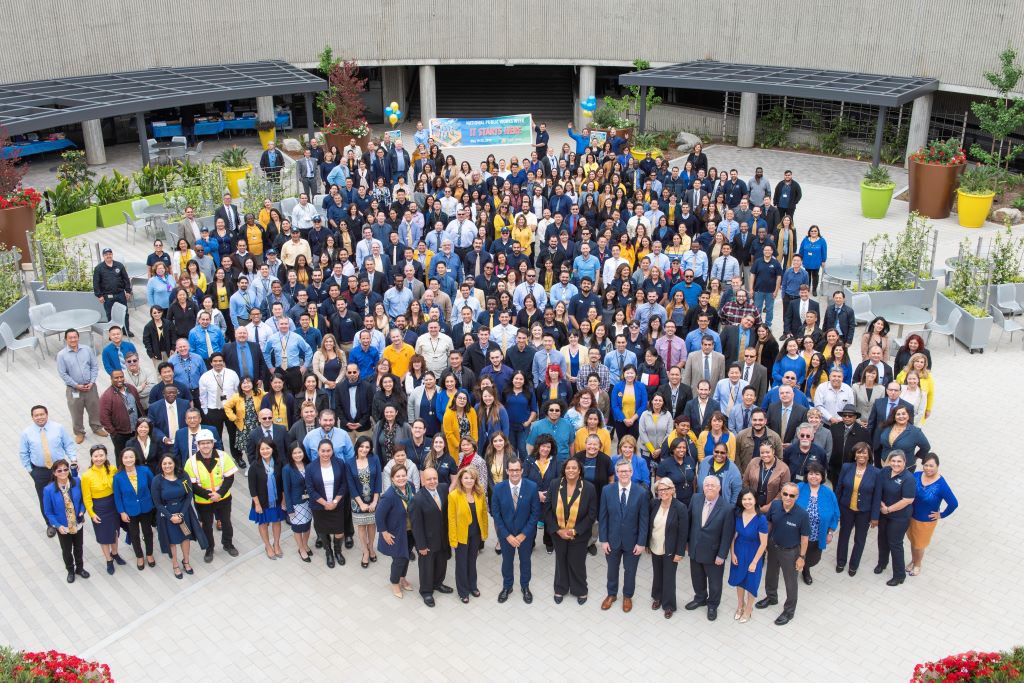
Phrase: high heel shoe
x=739 y=613
x=151 y=561
x=306 y=558
x=140 y=564
x=177 y=572
x=745 y=618
x=188 y=568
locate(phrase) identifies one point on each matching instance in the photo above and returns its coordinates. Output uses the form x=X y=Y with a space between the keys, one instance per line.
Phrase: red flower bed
x=22 y=196
x=50 y=667
x=987 y=667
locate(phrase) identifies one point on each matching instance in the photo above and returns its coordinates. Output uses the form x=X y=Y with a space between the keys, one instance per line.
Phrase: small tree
x=342 y=103
x=629 y=104
x=1001 y=116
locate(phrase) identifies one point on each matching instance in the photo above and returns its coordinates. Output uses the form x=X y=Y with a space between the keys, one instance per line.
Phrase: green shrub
x=878 y=176
x=115 y=189
x=773 y=128
x=980 y=180
x=11 y=283
x=153 y=179
x=67 y=198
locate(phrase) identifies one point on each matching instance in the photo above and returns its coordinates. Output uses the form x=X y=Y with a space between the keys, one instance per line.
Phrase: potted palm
x=642 y=143
x=236 y=167
x=933 y=171
x=975 y=195
x=876 y=192
x=114 y=197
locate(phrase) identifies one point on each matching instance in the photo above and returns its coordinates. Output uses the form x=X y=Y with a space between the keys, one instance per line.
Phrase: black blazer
x=259 y=366
x=842 y=445
x=157 y=448
x=321 y=401
x=258 y=483
x=677 y=526
x=429 y=524
x=858 y=372
x=683 y=396
x=869 y=493
x=741 y=249
x=792 y=321
x=364 y=403
x=154 y=343
x=281 y=440
x=697 y=425
x=847 y=322
x=713 y=539
x=315 y=483
x=222 y=212
x=730 y=335
x=584 y=519
x=877 y=416
x=796 y=416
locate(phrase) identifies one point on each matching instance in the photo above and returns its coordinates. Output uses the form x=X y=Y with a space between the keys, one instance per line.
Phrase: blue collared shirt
x=188 y=370
x=77 y=367
x=397 y=301
x=30 y=446
x=342 y=443
x=611 y=361
x=693 y=340
x=296 y=350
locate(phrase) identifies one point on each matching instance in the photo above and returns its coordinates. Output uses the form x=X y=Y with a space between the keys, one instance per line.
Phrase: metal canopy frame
x=848 y=86
x=36 y=105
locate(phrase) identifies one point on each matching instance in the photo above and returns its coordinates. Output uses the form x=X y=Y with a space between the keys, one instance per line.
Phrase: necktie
x=668 y=359
x=743 y=343
x=193 y=447
x=746 y=373
x=44 y=444
x=266 y=433
x=622 y=498
x=284 y=352
x=706 y=512
x=892 y=405
x=515 y=497
x=707 y=367
x=437 y=499
x=243 y=361
x=784 y=423
x=209 y=344
x=172 y=419
x=256 y=330
x=837 y=320
x=746 y=417
x=622 y=358
x=732 y=397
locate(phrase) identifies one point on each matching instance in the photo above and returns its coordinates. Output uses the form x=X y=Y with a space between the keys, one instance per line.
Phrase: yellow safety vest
x=211 y=481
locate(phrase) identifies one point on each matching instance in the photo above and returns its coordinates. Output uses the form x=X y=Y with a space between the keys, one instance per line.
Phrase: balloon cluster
x=588 y=106
x=393 y=113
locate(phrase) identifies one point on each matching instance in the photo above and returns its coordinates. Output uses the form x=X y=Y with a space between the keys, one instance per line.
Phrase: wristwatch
x=802 y=557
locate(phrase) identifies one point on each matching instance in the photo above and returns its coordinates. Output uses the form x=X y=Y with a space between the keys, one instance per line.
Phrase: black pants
x=141 y=528
x=237 y=456
x=663 y=588
x=119 y=443
x=814 y=273
x=350 y=528
x=890 y=543
x=309 y=186
x=432 y=568
x=858 y=523
x=222 y=511
x=41 y=477
x=622 y=430
x=465 y=565
x=783 y=559
x=570 y=566
x=399 y=568
x=71 y=549
x=706 y=578
x=215 y=418
x=629 y=562
x=813 y=555
x=119 y=298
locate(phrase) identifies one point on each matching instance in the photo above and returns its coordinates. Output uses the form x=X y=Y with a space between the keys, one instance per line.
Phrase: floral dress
x=250 y=422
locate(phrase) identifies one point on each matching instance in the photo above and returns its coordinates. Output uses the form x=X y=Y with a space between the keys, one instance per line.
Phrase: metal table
x=163 y=151
x=136 y=269
x=81 y=319
x=903 y=314
x=156 y=211
x=843 y=273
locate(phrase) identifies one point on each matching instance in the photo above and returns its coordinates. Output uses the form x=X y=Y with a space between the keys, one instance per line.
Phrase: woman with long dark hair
x=65 y=511
x=98 y=496
x=134 y=501
x=177 y=521
x=364 y=483
x=267 y=491
x=570 y=515
x=393 y=520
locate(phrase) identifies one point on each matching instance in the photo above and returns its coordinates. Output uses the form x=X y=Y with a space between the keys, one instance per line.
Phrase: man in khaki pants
x=77 y=366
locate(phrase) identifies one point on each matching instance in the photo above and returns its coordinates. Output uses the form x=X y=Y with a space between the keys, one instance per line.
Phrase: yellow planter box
x=266 y=136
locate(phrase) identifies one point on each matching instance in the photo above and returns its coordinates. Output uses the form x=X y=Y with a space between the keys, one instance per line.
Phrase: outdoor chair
x=948 y=328
x=14 y=345
x=36 y=315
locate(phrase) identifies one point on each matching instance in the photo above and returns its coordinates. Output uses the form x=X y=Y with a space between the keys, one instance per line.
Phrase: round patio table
x=903 y=314
x=136 y=269
x=848 y=273
x=73 y=319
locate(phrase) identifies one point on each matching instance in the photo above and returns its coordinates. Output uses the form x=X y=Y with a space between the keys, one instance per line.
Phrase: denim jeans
x=765 y=302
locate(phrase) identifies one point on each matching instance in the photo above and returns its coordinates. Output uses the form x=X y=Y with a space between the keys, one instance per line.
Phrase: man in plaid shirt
x=734 y=309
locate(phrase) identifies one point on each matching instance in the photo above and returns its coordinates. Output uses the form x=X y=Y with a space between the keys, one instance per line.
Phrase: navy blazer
x=512 y=520
x=847 y=322
x=354 y=485
x=877 y=416
x=677 y=526
x=158 y=414
x=180 y=448
x=869 y=493
x=623 y=528
x=711 y=540
x=792 y=320
x=294 y=486
x=692 y=411
x=315 y=482
x=134 y=501
x=279 y=435
x=391 y=516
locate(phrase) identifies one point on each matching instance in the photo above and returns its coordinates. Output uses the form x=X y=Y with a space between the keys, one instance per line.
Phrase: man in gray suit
x=704 y=364
x=711 y=531
x=308 y=171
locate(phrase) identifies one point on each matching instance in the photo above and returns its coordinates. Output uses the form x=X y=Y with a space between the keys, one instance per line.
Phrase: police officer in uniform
x=111 y=285
x=212 y=473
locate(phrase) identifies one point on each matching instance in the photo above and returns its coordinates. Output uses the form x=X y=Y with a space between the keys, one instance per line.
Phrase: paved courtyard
x=287 y=620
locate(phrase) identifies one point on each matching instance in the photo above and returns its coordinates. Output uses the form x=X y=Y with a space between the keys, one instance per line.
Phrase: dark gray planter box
x=17 y=317
x=922 y=297
x=974 y=333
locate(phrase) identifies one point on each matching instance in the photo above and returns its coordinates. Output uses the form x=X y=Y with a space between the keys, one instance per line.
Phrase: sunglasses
x=789 y=495
x=721 y=452
x=62 y=469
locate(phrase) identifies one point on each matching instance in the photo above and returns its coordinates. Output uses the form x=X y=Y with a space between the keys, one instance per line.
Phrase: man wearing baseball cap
x=212 y=473
x=111 y=285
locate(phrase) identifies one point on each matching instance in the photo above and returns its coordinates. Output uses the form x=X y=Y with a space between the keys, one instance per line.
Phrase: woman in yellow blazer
x=522 y=232
x=919 y=363
x=502 y=219
x=242 y=410
x=98 y=498
x=467 y=529
x=715 y=434
x=459 y=421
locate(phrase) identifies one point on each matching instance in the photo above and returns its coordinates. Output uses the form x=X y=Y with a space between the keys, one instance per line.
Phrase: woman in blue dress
x=177 y=521
x=748 y=549
x=266 y=486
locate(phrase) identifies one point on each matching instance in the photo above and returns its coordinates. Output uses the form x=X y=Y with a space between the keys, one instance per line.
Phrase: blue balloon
x=387 y=111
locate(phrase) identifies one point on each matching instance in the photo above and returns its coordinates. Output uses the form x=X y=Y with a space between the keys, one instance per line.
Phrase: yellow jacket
x=234 y=407
x=702 y=442
x=450 y=429
x=96 y=484
x=459 y=518
x=927 y=386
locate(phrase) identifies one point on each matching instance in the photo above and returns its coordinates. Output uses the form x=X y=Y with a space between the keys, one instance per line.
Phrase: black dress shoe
x=497 y=550
x=71 y=578
x=592 y=549
x=503 y=595
x=428 y=600
x=465 y=600
x=349 y=543
x=319 y=544
x=783 y=619
x=444 y=588
x=475 y=594
x=712 y=613
x=806 y=574
x=893 y=582
x=694 y=604
x=527 y=596
x=340 y=558
x=765 y=603
x=852 y=572
x=840 y=568
x=582 y=600
x=558 y=599
x=131 y=335
x=879 y=568
x=51 y=531
x=208 y=556
x=85 y=575
x=232 y=551
x=549 y=549
x=330 y=558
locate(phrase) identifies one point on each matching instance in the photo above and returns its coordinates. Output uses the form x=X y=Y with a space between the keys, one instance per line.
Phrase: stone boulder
x=1014 y=215
x=291 y=145
x=686 y=141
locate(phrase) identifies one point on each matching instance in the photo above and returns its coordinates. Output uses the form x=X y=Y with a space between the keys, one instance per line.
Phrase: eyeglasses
x=805 y=436
x=131 y=360
x=265 y=419
x=789 y=495
x=721 y=452
x=62 y=469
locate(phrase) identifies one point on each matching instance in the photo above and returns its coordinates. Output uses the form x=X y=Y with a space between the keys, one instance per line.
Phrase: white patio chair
x=948 y=328
x=12 y=345
x=1004 y=324
x=861 y=304
x=1006 y=300
x=36 y=315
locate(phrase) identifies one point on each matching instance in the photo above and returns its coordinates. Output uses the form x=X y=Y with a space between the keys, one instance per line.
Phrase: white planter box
x=974 y=333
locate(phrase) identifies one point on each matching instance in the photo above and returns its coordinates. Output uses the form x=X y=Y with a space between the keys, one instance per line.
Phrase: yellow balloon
x=587 y=114
x=394 y=105
x=393 y=119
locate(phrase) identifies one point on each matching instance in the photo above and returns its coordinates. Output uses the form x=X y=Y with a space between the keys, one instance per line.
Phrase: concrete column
x=393 y=88
x=588 y=79
x=428 y=94
x=95 y=152
x=265 y=109
x=748 y=119
x=920 y=122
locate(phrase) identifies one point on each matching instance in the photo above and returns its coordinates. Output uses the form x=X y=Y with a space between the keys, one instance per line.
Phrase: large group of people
x=578 y=348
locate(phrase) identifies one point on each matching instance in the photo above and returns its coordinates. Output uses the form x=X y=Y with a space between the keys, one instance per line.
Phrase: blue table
x=216 y=127
x=41 y=147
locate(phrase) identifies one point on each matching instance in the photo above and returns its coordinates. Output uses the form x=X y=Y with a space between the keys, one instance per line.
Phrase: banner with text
x=516 y=129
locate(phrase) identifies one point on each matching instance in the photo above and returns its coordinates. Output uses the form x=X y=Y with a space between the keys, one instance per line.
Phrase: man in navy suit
x=266 y=430
x=186 y=439
x=796 y=311
x=515 y=507
x=882 y=408
x=622 y=530
x=841 y=318
x=712 y=526
x=244 y=364
x=169 y=414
